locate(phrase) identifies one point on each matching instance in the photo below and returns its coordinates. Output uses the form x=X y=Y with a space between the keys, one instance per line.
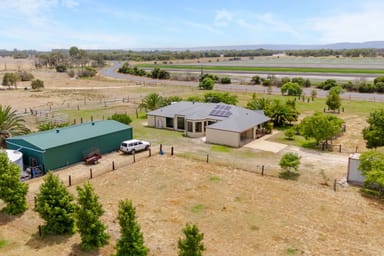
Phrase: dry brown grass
x=239 y=212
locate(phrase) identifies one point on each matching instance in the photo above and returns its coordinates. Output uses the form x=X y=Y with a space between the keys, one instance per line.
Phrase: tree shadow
x=76 y=250
x=36 y=241
x=6 y=218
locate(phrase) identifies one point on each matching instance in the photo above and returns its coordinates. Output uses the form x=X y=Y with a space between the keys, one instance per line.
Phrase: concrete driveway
x=263 y=144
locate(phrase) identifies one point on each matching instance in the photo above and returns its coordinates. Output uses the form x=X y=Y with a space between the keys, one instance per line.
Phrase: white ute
x=132 y=146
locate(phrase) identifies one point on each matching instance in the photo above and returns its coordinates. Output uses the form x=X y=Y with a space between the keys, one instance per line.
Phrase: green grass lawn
x=267 y=69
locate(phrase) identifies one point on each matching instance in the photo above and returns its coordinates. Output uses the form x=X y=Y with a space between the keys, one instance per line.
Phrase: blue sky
x=125 y=24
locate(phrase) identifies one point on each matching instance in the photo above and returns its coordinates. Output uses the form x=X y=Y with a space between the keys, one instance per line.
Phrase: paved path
x=112 y=72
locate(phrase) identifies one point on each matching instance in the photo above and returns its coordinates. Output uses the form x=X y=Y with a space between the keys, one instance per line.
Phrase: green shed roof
x=70 y=134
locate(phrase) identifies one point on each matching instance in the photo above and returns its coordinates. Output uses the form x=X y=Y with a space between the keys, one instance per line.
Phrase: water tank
x=16 y=157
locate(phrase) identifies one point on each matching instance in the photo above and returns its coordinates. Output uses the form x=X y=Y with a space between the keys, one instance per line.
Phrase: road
x=112 y=73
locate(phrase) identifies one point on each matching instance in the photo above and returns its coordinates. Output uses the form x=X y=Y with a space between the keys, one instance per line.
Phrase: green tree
x=88 y=212
x=10 y=124
x=327 y=84
x=255 y=80
x=157 y=73
x=281 y=113
x=51 y=125
x=225 y=80
x=37 y=84
x=10 y=79
x=152 y=101
x=206 y=84
x=372 y=168
x=122 y=118
x=374 y=133
x=54 y=205
x=223 y=97
x=320 y=126
x=379 y=79
x=25 y=76
x=131 y=242
x=258 y=103
x=289 y=163
x=291 y=89
x=12 y=191
x=192 y=244
x=333 y=99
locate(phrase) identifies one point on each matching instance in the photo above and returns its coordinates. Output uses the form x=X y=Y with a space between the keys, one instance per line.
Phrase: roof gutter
x=21 y=147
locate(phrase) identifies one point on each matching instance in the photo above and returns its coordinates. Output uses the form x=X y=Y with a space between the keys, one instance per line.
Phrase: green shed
x=61 y=147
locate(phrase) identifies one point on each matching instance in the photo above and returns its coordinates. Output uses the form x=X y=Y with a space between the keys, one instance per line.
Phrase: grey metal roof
x=241 y=119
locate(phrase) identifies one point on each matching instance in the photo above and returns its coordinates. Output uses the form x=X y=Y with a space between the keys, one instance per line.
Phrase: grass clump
x=220 y=148
x=215 y=178
x=197 y=208
x=3 y=243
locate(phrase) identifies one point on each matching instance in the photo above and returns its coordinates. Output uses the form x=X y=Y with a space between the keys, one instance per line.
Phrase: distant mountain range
x=279 y=47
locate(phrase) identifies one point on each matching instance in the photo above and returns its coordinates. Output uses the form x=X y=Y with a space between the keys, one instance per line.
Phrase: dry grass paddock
x=239 y=212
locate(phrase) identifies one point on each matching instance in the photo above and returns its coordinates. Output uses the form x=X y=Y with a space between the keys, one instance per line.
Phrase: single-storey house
x=57 y=148
x=220 y=123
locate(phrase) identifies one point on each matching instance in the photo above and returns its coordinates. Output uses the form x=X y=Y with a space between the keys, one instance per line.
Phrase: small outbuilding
x=354 y=175
x=61 y=147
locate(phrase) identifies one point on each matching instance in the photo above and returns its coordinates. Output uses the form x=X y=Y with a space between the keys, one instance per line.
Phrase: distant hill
x=280 y=47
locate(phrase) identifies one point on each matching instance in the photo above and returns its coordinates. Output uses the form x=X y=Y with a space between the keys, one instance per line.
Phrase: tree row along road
x=112 y=72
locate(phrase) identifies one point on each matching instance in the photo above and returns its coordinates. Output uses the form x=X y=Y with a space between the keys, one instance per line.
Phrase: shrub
x=122 y=118
x=290 y=133
x=206 y=84
x=61 y=68
x=37 y=84
x=87 y=72
x=25 y=76
x=225 y=80
x=255 y=80
x=71 y=73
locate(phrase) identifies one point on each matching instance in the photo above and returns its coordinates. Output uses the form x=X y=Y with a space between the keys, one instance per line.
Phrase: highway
x=112 y=73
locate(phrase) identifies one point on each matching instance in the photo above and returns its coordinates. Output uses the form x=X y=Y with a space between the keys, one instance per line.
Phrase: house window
x=190 y=126
x=180 y=123
x=198 y=127
x=169 y=122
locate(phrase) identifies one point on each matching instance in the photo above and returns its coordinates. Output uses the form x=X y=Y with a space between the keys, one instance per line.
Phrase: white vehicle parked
x=132 y=146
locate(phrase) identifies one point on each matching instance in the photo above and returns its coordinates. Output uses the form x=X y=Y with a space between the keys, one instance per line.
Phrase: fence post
x=207 y=158
x=113 y=165
x=340 y=148
x=262 y=170
x=70 y=180
x=134 y=156
x=149 y=152
x=161 y=149
x=334 y=185
x=90 y=173
x=172 y=151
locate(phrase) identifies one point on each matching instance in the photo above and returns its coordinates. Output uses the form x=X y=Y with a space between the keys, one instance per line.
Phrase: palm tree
x=152 y=101
x=10 y=124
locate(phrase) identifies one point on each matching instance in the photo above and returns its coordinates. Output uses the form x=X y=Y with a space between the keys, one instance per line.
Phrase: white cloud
x=223 y=18
x=69 y=3
x=364 y=25
x=256 y=22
